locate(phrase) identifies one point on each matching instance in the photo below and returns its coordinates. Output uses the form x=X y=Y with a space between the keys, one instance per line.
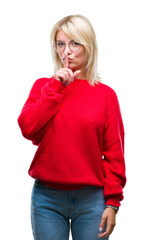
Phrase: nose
x=67 y=49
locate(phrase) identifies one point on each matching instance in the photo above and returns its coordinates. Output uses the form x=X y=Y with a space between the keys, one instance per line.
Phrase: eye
x=60 y=44
x=75 y=44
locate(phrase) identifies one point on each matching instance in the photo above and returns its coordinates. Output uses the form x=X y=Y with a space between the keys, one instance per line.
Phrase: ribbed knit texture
x=80 y=136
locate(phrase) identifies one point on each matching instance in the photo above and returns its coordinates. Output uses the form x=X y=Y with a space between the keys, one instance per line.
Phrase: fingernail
x=100 y=229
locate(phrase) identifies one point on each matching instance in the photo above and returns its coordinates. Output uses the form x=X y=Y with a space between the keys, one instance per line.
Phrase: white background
x=25 y=55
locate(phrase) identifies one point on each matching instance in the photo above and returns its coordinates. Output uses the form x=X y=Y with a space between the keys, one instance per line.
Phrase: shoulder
x=107 y=90
x=40 y=83
x=105 y=87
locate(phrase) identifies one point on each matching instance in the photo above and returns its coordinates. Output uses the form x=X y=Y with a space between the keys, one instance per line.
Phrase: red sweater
x=80 y=136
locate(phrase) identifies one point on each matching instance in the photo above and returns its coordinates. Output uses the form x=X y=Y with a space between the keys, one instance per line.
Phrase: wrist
x=113 y=207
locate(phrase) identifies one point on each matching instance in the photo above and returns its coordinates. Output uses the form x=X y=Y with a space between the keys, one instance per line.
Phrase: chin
x=73 y=68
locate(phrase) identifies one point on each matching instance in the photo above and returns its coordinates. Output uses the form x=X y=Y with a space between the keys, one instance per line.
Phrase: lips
x=68 y=59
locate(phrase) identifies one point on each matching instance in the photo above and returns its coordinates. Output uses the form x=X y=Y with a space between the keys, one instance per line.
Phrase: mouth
x=69 y=59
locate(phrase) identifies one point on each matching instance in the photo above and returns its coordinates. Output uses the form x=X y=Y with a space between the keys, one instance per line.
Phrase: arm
x=113 y=151
x=41 y=106
x=114 y=164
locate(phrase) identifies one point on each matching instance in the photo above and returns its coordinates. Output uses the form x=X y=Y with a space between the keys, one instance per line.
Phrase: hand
x=65 y=74
x=109 y=217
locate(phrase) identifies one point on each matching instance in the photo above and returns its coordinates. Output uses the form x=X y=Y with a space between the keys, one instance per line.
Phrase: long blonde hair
x=78 y=27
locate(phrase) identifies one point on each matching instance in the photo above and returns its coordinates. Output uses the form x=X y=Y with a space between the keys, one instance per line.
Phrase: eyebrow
x=59 y=41
x=72 y=40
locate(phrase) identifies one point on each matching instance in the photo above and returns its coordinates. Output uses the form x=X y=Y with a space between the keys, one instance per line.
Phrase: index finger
x=65 y=61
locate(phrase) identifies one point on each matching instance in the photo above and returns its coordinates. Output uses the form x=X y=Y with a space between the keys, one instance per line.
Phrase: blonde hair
x=78 y=27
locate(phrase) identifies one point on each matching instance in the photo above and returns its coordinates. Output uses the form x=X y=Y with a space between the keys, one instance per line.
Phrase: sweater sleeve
x=113 y=152
x=41 y=106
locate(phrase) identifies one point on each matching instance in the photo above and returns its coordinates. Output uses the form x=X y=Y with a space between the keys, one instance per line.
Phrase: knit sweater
x=80 y=136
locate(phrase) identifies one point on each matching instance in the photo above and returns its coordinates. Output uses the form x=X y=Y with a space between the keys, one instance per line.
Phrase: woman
x=76 y=122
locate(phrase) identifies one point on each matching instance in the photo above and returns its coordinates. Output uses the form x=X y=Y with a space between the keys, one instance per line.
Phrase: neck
x=82 y=75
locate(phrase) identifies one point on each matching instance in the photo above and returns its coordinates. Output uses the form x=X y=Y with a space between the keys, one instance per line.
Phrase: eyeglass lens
x=73 y=45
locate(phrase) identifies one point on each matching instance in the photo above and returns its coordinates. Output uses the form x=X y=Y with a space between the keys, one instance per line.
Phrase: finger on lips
x=65 y=74
x=66 y=62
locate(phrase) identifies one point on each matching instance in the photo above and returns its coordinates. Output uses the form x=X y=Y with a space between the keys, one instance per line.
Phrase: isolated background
x=25 y=56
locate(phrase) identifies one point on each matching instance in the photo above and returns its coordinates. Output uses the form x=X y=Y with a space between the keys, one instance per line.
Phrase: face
x=76 y=59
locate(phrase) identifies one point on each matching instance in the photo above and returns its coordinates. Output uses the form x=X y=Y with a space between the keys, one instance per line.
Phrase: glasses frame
x=65 y=44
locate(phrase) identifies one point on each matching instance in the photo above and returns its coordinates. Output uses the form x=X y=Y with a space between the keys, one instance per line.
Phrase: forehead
x=62 y=36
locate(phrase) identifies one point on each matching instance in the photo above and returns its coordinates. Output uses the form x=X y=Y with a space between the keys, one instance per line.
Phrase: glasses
x=73 y=46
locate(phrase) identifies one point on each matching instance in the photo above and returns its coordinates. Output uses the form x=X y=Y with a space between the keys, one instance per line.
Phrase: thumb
x=76 y=73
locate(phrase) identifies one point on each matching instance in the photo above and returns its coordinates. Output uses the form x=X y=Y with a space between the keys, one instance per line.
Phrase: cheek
x=61 y=56
x=80 y=53
x=81 y=57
